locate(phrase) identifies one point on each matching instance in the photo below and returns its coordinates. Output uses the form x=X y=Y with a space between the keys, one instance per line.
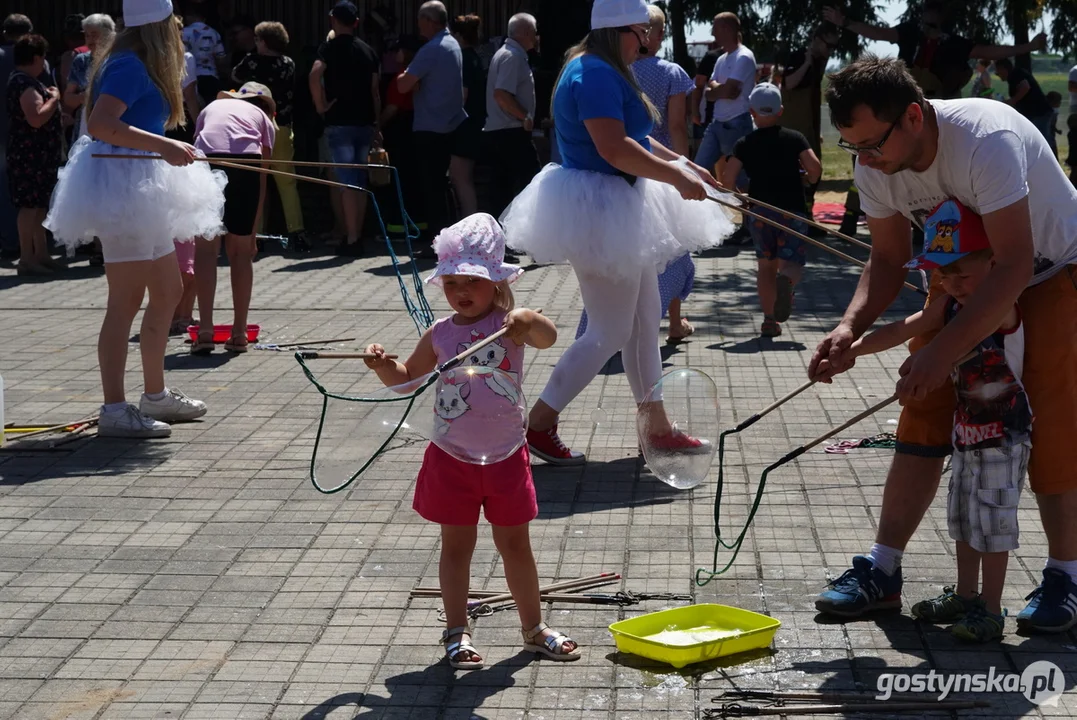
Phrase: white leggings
x=622 y=315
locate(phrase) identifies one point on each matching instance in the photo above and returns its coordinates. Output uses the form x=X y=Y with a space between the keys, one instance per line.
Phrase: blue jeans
x=350 y=144
x=719 y=139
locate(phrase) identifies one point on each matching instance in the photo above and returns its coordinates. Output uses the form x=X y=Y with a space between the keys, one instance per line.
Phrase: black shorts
x=467 y=140
x=241 y=195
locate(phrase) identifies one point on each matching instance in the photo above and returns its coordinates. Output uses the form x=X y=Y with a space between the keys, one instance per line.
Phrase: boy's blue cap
x=765 y=99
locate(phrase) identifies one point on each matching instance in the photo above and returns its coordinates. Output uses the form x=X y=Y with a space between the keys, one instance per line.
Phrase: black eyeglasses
x=875 y=150
x=930 y=26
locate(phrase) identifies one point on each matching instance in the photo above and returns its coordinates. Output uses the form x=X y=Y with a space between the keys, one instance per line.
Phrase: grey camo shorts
x=985 y=489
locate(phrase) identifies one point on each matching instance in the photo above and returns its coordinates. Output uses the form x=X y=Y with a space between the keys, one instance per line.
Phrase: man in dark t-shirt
x=802 y=93
x=702 y=109
x=1026 y=96
x=344 y=84
x=939 y=61
x=777 y=160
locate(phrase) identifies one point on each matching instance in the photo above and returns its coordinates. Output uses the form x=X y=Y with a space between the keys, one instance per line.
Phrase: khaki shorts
x=1049 y=313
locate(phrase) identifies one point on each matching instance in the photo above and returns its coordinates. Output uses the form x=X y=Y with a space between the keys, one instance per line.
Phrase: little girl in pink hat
x=475 y=278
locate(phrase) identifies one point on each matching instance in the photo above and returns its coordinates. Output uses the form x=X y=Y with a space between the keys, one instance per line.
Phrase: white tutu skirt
x=133 y=201
x=601 y=222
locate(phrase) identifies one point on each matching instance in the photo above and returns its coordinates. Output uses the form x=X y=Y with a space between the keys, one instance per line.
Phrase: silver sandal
x=453 y=649
x=552 y=646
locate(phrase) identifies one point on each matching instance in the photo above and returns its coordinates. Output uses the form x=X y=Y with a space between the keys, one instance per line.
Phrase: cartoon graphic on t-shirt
x=451 y=404
x=991 y=403
x=493 y=355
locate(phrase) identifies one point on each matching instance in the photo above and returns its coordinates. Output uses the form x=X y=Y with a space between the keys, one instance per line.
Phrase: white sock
x=156 y=396
x=885 y=558
x=113 y=407
x=1067 y=566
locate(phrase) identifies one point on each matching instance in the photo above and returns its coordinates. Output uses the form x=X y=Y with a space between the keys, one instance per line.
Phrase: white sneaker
x=130 y=423
x=173 y=407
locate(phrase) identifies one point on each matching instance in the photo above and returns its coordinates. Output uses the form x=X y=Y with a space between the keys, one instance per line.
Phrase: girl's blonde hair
x=503 y=298
x=159 y=46
x=605 y=44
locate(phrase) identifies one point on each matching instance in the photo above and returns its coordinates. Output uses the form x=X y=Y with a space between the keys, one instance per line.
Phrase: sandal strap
x=455 y=648
x=458 y=630
x=554 y=643
x=534 y=632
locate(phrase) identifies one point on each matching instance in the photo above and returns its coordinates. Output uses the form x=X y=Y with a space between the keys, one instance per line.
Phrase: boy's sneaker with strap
x=130 y=423
x=1052 y=606
x=173 y=407
x=947 y=607
x=979 y=624
x=547 y=445
x=860 y=589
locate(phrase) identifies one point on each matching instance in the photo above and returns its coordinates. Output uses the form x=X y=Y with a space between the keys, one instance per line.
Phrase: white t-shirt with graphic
x=205 y=44
x=989 y=157
x=736 y=65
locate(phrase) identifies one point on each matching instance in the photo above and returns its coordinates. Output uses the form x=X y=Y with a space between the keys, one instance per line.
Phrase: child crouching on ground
x=777 y=160
x=472 y=272
x=992 y=426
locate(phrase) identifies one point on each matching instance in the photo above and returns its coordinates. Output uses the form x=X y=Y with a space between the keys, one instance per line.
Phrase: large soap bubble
x=678 y=427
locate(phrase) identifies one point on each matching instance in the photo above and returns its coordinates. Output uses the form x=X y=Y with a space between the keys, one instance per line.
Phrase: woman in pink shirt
x=238 y=125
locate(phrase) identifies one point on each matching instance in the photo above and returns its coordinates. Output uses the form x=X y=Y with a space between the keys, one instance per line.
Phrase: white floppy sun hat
x=475 y=246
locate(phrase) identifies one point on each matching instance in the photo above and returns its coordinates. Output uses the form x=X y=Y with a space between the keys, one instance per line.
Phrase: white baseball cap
x=619 y=13
x=765 y=99
x=145 y=12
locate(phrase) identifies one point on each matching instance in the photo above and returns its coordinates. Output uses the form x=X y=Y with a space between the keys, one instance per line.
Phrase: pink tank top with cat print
x=482 y=415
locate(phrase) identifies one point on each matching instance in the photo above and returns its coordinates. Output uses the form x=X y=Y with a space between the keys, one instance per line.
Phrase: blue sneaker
x=1052 y=606
x=860 y=589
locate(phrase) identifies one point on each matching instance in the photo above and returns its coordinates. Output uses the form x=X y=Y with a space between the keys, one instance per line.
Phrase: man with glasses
x=939 y=61
x=913 y=155
x=802 y=93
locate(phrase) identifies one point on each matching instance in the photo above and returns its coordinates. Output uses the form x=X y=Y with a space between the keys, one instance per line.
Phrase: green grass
x=838 y=166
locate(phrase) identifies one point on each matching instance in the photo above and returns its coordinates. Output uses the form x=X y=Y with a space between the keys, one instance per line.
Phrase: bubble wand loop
x=415 y=388
x=704 y=576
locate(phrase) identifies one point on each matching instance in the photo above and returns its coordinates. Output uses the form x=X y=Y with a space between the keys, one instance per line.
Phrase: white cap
x=145 y=12
x=619 y=13
x=765 y=99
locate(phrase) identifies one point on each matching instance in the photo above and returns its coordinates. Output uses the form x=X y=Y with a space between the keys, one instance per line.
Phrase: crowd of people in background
x=453 y=108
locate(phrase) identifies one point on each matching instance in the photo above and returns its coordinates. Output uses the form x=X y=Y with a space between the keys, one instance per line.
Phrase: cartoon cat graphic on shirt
x=451 y=404
x=495 y=356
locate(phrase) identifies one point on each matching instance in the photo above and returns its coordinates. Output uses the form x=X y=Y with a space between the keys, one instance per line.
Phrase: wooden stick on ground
x=76 y=425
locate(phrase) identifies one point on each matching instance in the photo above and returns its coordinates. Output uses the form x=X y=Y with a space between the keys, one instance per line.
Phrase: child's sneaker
x=979 y=624
x=173 y=407
x=547 y=445
x=1052 y=606
x=945 y=608
x=770 y=328
x=783 y=303
x=130 y=423
x=861 y=588
x=678 y=442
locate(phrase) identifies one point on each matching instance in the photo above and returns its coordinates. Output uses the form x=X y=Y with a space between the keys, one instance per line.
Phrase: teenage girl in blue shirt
x=616 y=209
x=137 y=208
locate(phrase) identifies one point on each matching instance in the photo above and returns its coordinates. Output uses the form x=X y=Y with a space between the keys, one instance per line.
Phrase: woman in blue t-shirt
x=137 y=208
x=615 y=210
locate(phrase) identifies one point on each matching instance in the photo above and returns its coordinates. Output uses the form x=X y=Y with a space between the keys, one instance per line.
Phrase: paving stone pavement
x=203 y=577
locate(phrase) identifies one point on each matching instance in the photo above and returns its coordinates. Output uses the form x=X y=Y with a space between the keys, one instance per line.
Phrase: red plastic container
x=222 y=333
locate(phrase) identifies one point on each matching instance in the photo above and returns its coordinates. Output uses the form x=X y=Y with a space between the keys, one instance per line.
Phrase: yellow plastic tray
x=685 y=635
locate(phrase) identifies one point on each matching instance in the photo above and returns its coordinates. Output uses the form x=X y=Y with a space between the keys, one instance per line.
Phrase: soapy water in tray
x=683 y=637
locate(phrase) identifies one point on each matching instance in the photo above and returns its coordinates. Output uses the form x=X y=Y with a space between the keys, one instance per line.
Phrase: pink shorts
x=450 y=491
x=185 y=256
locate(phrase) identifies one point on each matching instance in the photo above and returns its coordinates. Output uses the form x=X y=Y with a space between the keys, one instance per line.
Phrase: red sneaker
x=677 y=441
x=547 y=445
